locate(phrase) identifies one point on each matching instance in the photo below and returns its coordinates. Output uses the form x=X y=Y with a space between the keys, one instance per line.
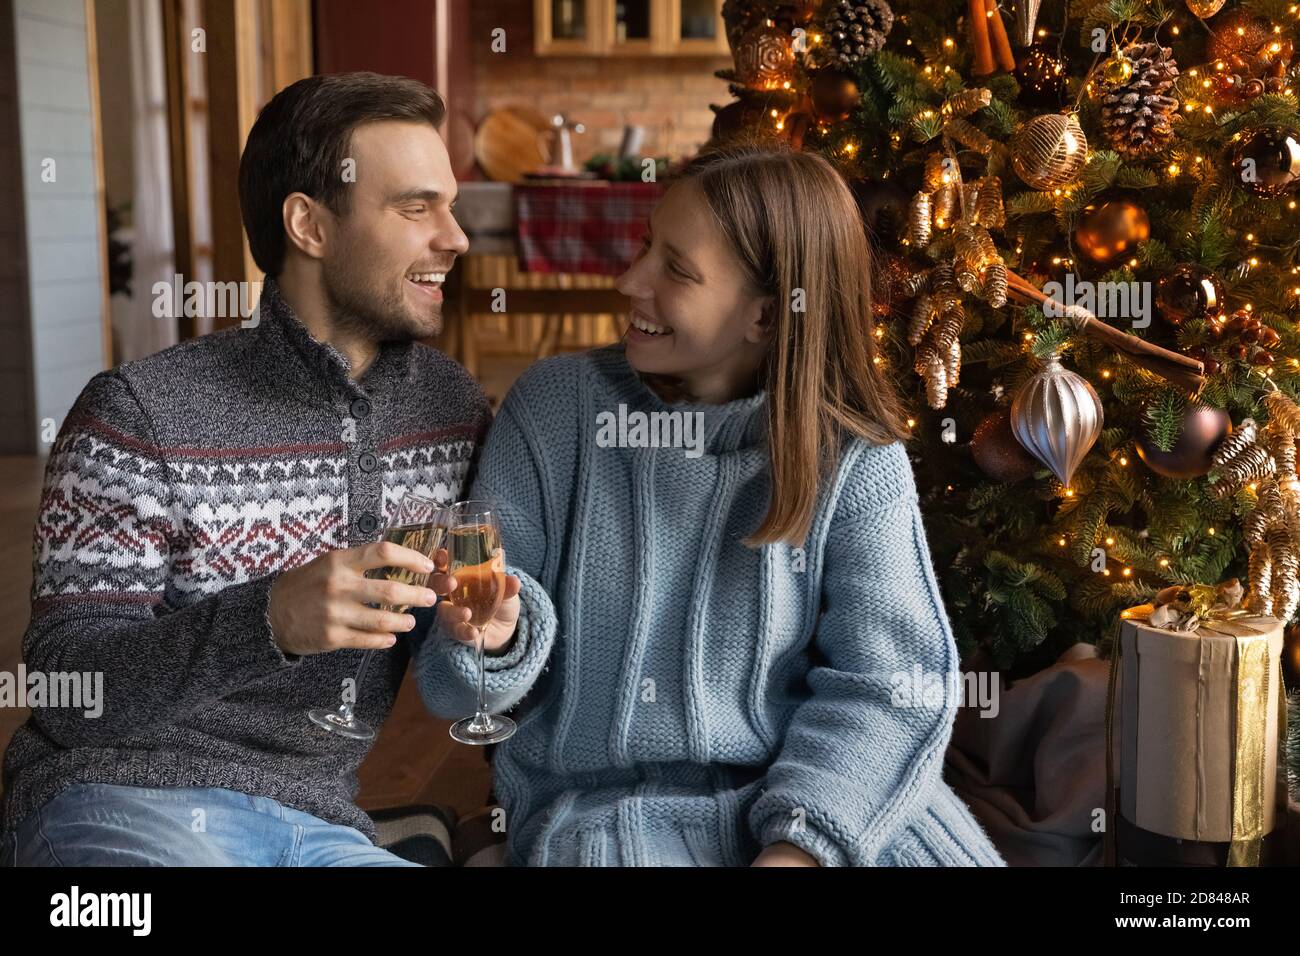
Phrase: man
x=209 y=514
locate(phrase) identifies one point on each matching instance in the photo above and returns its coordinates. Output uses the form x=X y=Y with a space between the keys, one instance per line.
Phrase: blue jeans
x=108 y=825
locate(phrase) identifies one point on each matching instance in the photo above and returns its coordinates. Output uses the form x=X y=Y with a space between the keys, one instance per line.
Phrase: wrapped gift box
x=1199 y=719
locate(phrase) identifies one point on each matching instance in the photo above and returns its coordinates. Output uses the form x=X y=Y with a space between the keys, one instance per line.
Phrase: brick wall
x=669 y=96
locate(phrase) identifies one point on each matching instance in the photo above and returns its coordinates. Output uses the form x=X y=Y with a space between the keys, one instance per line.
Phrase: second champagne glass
x=478 y=563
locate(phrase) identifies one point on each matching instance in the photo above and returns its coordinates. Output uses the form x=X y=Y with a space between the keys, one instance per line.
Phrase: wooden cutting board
x=511 y=141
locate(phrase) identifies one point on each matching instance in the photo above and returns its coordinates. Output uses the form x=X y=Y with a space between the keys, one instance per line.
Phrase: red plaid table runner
x=596 y=228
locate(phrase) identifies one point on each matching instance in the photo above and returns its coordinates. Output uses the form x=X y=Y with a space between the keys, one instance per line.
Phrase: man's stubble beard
x=363 y=304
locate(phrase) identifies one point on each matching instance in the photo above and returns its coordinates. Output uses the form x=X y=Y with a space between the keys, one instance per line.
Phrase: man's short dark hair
x=300 y=140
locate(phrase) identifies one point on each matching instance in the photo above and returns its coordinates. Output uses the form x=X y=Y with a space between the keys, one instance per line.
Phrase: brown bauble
x=747 y=116
x=1111 y=230
x=997 y=452
x=1236 y=33
x=835 y=95
x=1204 y=429
x=764 y=57
x=795 y=128
x=1291 y=656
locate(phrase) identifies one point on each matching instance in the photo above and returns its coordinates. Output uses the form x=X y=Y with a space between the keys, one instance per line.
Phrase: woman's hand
x=500 y=631
x=784 y=854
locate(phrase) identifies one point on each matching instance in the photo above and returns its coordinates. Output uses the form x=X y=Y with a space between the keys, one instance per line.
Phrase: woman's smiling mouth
x=642 y=329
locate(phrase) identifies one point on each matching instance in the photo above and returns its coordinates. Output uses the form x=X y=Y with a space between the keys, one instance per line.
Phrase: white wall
x=65 y=261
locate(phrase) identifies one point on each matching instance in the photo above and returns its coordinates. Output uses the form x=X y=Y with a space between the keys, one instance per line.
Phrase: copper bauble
x=1266 y=160
x=1236 y=33
x=834 y=95
x=1204 y=9
x=996 y=450
x=1189 y=292
x=1111 y=230
x=1204 y=428
x=764 y=57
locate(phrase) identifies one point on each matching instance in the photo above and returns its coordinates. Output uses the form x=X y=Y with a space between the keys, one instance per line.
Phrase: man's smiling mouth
x=426 y=278
x=429 y=283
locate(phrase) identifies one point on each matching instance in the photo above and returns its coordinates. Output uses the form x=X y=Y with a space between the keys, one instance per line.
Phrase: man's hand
x=784 y=854
x=499 y=633
x=321 y=606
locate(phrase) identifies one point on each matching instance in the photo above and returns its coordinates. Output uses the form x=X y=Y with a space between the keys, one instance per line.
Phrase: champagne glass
x=419 y=524
x=478 y=563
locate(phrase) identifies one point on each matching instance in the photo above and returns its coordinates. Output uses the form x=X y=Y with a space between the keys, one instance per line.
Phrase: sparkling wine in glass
x=421 y=525
x=478 y=563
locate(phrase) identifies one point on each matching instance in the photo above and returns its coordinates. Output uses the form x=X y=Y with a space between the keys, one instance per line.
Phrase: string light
x=1164 y=562
x=1123 y=460
x=1061 y=541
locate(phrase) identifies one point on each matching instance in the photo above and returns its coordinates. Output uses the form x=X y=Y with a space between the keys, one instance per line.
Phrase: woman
x=705 y=641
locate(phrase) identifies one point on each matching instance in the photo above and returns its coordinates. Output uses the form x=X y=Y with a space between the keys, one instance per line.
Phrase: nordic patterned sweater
x=178 y=488
x=683 y=699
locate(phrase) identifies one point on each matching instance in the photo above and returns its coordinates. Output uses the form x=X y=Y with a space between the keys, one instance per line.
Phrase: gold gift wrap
x=1199 y=717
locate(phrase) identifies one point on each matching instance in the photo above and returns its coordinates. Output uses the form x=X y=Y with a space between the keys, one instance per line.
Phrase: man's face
x=390 y=250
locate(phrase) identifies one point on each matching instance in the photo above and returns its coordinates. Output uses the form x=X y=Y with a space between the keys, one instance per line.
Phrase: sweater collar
x=321 y=362
x=728 y=427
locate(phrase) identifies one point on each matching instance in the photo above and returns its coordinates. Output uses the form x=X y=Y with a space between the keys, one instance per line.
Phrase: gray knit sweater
x=179 y=486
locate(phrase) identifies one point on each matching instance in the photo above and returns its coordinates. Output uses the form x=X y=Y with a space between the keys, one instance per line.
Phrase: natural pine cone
x=857 y=28
x=1136 y=116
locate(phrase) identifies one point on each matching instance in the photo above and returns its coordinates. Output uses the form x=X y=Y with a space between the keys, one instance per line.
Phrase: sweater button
x=360 y=407
x=367 y=462
x=367 y=523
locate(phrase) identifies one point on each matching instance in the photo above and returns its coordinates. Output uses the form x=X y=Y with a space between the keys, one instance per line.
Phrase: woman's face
x=707 y=325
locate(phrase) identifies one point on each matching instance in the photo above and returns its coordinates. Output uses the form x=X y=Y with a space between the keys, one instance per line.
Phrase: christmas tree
x=1088 y=273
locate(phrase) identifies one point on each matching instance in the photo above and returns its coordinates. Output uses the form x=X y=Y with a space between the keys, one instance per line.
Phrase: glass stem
x=346 y=709
x=481 y=717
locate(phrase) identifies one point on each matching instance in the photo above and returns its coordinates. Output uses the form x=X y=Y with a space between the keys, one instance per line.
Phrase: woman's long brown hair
x=794 y=225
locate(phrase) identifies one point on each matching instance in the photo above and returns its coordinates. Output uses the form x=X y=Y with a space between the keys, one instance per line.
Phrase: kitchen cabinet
x=629 y=28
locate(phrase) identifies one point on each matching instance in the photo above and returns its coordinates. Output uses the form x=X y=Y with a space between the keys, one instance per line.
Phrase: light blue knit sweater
x=683 y=699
